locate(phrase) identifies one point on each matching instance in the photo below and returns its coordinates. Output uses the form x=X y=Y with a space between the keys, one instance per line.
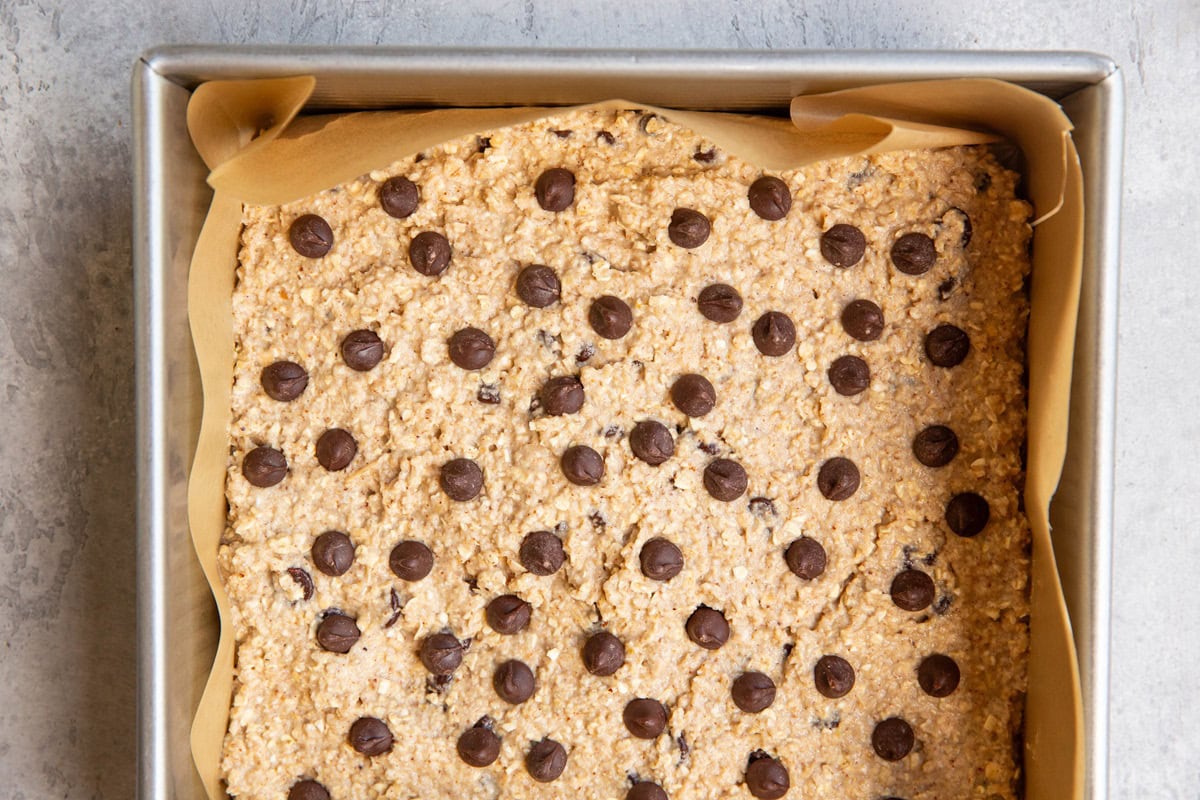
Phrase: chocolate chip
x=307 y=790
x=770 y=198
x=514 y=682
x=914 y=253
x=555 y=189
x=603 y=654
x=688 y=228
x=538 y=286
x=370 y=736
x=336 y=448
x=337 y=633
x=705 y=156
x=863 y=320
x=303 y=580
x=264 y=466
x=938 y=675
x=584 y=354
x=968 y=230
x=843 y=245
x=719 y=302
x=333 y=553
x=936 y=446
x=610 y=317
x=833 y=676
x=508 y=614
x=805 y=557
x=562 y=395
x=646 y=790
x=693 y=395
x=912 y=590
x=606 y=137
x=946 y=288
x=849 y=375
x=546 y=760
x=362 y=350
x=311 y=236
x=947 y=346
x=774 y=334
x=725 y=479
x=429 y=253
x=582 y=465
x=838 y=478
x=441 y=653
x=461 y=479
x=478 y=746
x=767 y=778
x=645 y=718
x=399 y=197
x=565 y=133
x=651 y=442
x=753 y=692
x=471 y=348
x=661 y=560
x=892 y=739
x=411 y=560
x=396 y=606
x=708 y=628
x=488 y=393
x=542 y=553
x=284 y=380
x=763 y=508
x=967 y=514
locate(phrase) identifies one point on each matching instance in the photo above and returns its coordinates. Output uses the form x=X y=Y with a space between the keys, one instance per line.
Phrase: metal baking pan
x=171 y=199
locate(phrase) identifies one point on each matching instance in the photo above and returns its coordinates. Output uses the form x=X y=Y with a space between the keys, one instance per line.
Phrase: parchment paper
x=261 y=152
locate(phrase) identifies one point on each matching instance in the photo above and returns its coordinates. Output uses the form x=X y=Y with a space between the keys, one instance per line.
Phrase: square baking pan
x=177 y=622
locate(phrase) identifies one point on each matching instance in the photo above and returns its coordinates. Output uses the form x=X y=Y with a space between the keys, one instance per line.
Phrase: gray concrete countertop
x=66 y=342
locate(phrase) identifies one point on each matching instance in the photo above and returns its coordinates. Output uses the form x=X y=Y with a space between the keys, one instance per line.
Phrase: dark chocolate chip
x=546 y=760
x=968 y=230
x=967 y=514
x=514 y=682
x=912 y=590
x=688 y=228
x=610 y=317
x=311 y=236
x=284 y=380
x=936 y=446
x=753 y=692
x=914 y=253
x=429 y=253
x=708 y=628
x=774 y=334
x=565 y=133
x=370 y=736
x=838 y=478
x=693 y=395
x=833 y=676
x=646 y=790
x=720 y=302
x=461 y=479
x=584 y=354
x=337 y=633
x=705 y=156
x=333 y=553
x=606 y=137
x=946 y=288
x=307 y=789
x=488 y=393
x=849 y=375
x=938 y=675
x=725 y=479
x=542 y=553
x=863 y=320
x=805 y=557
x=661 y=559
x=843 y=245
x=767 y=778
x=947 y=346
x=603 y=654
x=396 y=606
x=763 y=508
x=264 y=466
x=362 y=350
x=645 y=718
x=441 y=653
x=411 y=560
x=471 y=348
x=508 y=614
x=303 y=580
x=336 y=448
x=892 y=739
x=538 y=286
x=478 y=746
x=399 y=197
x=562 y=395
x=770 y=198
x=582 y=465
x=555 y=189
x=651 y=442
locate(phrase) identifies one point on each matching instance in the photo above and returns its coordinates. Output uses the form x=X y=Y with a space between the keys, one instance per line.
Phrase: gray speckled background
x=66 y=369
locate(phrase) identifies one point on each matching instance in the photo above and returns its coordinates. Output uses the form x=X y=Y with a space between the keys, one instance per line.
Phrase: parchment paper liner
x=261 y=152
